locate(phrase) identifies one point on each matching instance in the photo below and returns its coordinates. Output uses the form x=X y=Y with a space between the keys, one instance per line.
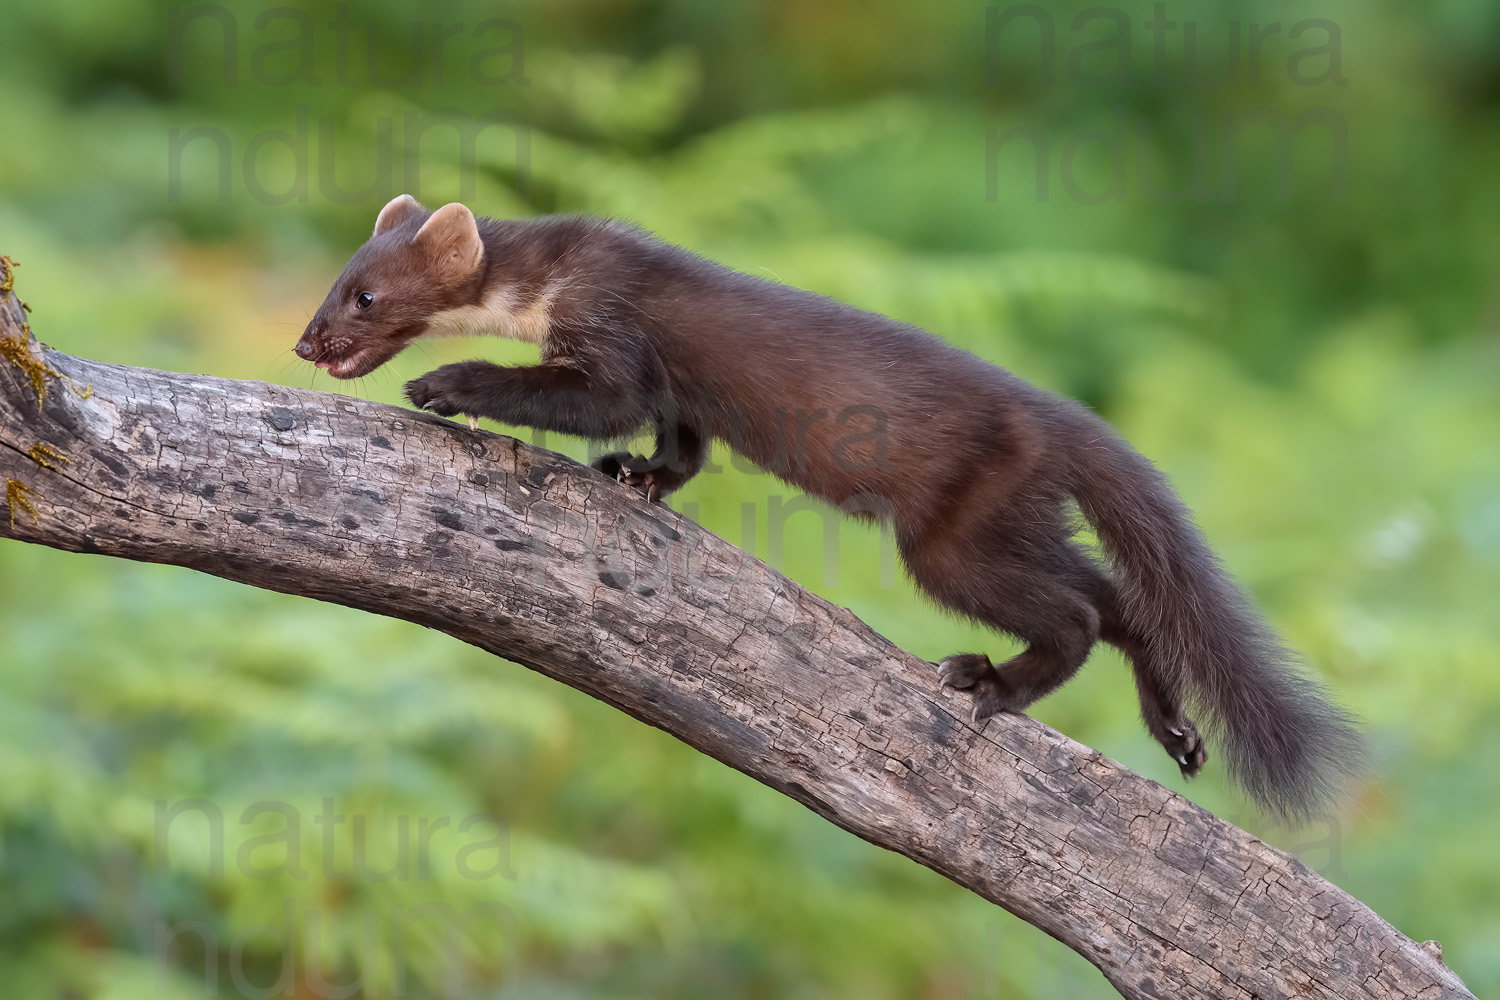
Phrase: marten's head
x=417 y=267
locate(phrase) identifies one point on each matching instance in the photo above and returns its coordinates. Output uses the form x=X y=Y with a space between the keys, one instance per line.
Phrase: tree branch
x=533 y=557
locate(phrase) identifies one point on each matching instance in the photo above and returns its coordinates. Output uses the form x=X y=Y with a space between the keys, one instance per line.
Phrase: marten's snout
x=344 y=353
x=307 y=348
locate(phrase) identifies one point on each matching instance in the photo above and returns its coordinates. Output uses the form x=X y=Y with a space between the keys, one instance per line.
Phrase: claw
x=473 y=422
x=1176 y=732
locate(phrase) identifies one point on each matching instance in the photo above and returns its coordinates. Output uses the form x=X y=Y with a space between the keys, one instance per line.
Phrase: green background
x=1309 y=348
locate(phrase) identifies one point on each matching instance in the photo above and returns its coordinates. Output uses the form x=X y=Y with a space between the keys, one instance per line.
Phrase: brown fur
x=974 y=467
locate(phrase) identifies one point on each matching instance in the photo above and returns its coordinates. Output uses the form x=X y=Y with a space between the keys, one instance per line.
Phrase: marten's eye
x=363 y=300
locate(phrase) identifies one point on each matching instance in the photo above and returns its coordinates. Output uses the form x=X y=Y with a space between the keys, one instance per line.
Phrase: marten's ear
x=397 y=211
x=451 y=237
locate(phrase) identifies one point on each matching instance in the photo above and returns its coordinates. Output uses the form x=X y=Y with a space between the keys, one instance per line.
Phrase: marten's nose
x=304 y=349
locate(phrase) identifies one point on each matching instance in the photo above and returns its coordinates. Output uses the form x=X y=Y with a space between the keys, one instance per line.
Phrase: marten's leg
x=1057 y=645
x=1035 y=588
x=551 y=396
x=680 y=453
x=1019 y=571
x=1161 y=705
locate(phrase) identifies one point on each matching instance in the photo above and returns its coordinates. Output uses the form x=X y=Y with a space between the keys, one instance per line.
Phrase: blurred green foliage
x=1315 y=367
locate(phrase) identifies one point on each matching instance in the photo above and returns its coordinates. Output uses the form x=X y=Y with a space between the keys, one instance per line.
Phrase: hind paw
x=1183 y=744
x=962 y=671
x=973 y=672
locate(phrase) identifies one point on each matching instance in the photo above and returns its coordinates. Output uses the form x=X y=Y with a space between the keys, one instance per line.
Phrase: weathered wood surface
x=526 y=554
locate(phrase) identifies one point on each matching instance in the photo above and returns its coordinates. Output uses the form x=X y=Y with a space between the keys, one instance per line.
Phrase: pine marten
x=973 y=467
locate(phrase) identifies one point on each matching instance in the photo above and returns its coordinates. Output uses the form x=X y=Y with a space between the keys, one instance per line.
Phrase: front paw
x=652 y=478
x=616 y=464
x=429 y=393
x=634 y=471
x=443 y=391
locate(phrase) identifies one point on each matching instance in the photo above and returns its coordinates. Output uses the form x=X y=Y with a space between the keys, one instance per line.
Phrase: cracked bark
x=528 y=555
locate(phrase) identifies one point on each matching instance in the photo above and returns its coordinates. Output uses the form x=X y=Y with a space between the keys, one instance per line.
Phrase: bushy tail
x=1290 y=748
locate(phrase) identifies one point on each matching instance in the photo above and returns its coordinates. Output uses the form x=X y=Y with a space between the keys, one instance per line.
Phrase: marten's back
x=840 y=401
